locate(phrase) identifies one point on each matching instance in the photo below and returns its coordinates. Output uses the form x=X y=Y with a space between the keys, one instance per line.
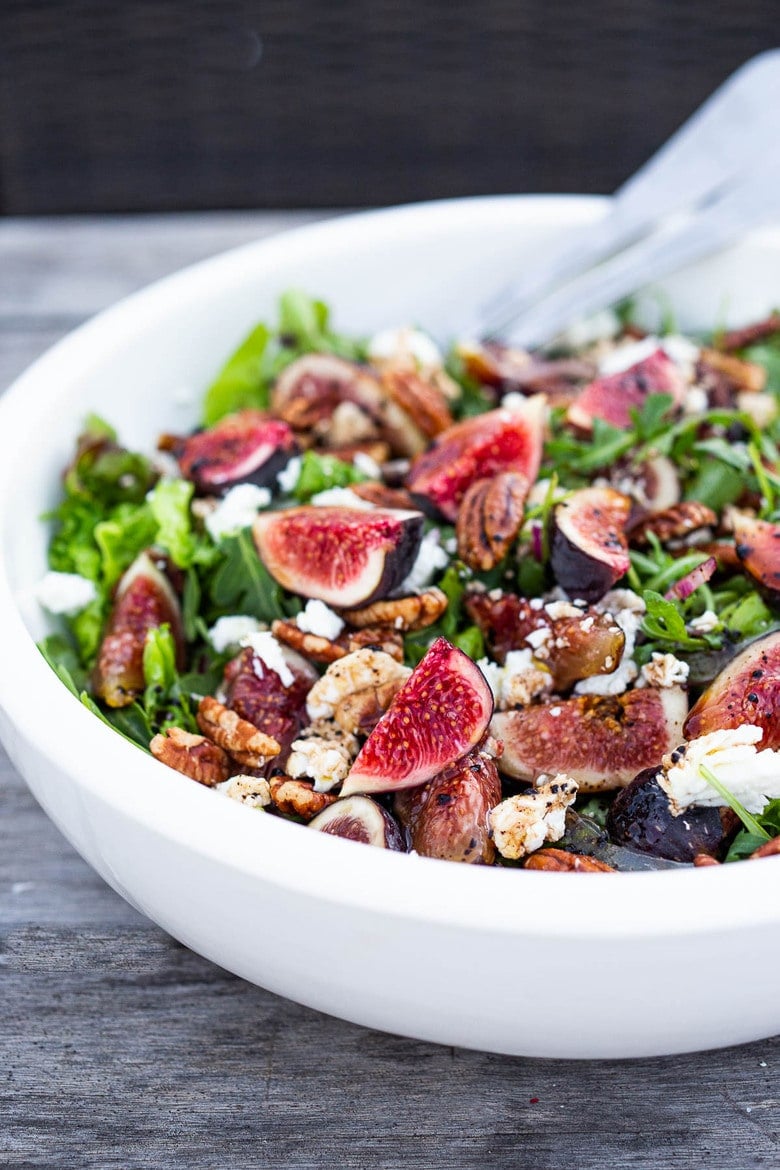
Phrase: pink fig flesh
x=589 y=549
x=747 y=691
x=247 y=447
x=359 y=818
x=757 y=544
x=613 y=397
x=258 y=695
x=478 y=448
x=439 y=714
x=346 y=557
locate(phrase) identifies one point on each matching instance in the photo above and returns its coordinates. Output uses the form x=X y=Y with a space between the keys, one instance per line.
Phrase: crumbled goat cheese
x=664 y=670
x=339 y=497
x=348 y=424
x=365 y=464
x=627 y=670
x=361 y=670
x=324 y=754
x=318 y=619
x=620 y=599
x=518 y=682
x=429 y=561
x=228 y=631
x=522 y=824
x=695 y=401
x=680 y=350
x=288 y=477
x=514 y=402
x=396 y=344
x=588 y=330
x=268 y=653
x=705 y=623
x=65 y=593
x=236 y=510
x=562 y=609
x=752 y=776
x=451 y=546
x=537 y=638
x=250 y=790
x=759 y=406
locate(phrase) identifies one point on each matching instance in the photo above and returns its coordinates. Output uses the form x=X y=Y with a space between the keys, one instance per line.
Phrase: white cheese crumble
x=430 y=559
x=361 y=670
x=680 y=350
x=405 y=342
x=522 y=824
x=236 y=510
x=365 y=464
x=65 y=593
x=705 y=623
x=752 y=776
x=318 y=619
x=537 y=638
x=562 y=609
x=518 y=682
x=664 y=670
x=695 y=401
x=268 y=653
x=288 y=477
x=760 y=406
x=627 y=670
x=228 y=631
x=339 y=497
x=250 y=790
x=324 y=755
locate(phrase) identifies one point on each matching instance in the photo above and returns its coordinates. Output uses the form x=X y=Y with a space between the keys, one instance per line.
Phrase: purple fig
x=359 y=818
x=247 y=447
x=588 y=549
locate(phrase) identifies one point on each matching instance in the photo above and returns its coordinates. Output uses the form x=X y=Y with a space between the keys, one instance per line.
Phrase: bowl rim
x=277 y=852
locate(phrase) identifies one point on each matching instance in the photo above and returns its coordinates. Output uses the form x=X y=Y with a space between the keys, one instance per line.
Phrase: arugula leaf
x=303 y=318
x=242 y=381
x=471 y=642
x=748 y=820
x=664 y=623
x=453 y=585
x=320 y=472
x=747 y=841
x=242 y=584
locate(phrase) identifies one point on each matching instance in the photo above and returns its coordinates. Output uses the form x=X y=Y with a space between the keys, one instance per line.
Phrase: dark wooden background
x=111 y=105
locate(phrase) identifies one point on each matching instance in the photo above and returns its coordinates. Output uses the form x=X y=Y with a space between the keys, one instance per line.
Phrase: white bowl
x=534 y=964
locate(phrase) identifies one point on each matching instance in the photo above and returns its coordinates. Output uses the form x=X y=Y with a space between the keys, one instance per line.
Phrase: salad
x=497 y=607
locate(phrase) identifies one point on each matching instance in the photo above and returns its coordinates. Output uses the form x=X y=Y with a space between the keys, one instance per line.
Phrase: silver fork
x=716 y=177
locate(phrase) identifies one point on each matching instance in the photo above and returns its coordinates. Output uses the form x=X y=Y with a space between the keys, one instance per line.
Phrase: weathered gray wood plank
x=119 y=1048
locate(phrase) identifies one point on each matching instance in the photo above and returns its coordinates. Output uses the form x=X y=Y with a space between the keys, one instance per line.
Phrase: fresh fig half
x=258 y=694
x=600 y=741
x=247 y=447
x=346 y=557
x=589 y=549
x=478 y=448
x=640 y=818
x=309 y=392
x=757 y=544
x=448 y=817
x=439 y=714
x=359 y=818
x=614 y=396
x=747 y=691
x=144 y=600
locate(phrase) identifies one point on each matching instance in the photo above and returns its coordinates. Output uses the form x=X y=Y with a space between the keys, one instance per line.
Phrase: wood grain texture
x=120 y=1048
x=154 y=104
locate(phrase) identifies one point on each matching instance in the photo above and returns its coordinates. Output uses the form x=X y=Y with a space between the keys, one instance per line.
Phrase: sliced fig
x=747 y=691
x=478 y=448
x=247 y=447
x=640 y=818
x=588 y=549
x=343 y=556
x=601 y=741
x=439 y=714
x=448 y=817
x=258 y=695
x=660 y=482
x=359 y=818
x=309 y=392
x=613 y=396
x=757 y=544
x=144 y=600
x=573 y=648
x=495 y=364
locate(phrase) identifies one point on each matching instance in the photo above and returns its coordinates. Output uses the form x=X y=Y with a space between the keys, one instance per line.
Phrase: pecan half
x=672 y=523
x=563 y=862
x=414 y=612
x=376 y=449
x=489 y=519
x=419 y=397
x=297 y=798
x=383 y=496
x=702 y=860
x=741 y=374
x=385 y=638
x=239 y=738
x=311 y=645
x=192 y=755
x=739 y=338
x=768 y=849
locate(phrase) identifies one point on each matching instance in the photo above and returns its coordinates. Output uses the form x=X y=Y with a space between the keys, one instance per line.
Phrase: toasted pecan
x=489 y=519
x=238 y=737
x=702 y=860
x=195 y=756
x=673 y=523
x=563 y=862
x=385 y=638
x=768 y=849
x=740 y=338
x=297 y=797
x=310 y=645
x=383 y=496
x=419 y=397
x=413 y=612
x=741 y=374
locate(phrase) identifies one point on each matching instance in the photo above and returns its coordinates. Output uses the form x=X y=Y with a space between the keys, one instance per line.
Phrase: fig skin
x=477 y=448
x=266 y=702
x=447 y=818
x=747 y=691
x=359 y=818
x=757 y=544
x=439 y=714
x=639 y=818
x=346 y=557
x=613 y=396
x=588 y=549
x=600 y=741
x=144 y=600
x=247 y=447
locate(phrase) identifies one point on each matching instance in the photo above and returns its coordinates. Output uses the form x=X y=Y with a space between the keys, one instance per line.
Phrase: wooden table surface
x=120 y=1048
